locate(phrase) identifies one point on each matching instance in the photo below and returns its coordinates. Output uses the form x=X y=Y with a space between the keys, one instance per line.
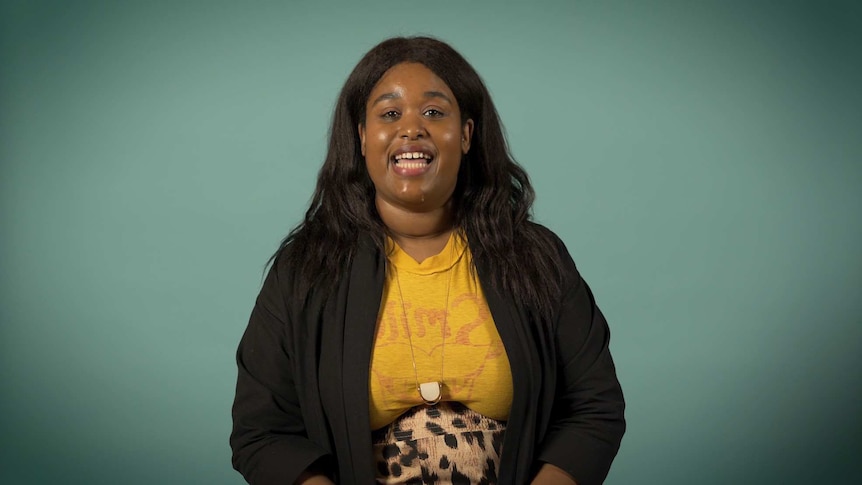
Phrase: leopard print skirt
x=445 y=443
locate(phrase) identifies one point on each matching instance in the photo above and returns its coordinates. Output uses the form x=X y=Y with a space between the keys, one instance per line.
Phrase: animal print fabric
x=445 y=443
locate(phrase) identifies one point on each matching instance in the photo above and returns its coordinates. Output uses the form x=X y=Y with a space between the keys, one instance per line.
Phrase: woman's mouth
x=410 y=164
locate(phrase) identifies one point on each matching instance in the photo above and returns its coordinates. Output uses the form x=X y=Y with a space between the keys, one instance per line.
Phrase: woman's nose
x=413 y=128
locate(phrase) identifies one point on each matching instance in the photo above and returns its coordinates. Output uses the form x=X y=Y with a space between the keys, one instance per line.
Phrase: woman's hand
x=552 y=475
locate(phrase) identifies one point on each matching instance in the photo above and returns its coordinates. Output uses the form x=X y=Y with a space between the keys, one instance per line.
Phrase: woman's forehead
x=410 y=78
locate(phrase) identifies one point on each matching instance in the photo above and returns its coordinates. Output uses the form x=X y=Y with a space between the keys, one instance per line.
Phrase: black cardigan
x=302 y=385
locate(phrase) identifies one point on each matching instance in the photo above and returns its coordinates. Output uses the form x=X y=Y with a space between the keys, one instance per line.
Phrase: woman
x=416 y=326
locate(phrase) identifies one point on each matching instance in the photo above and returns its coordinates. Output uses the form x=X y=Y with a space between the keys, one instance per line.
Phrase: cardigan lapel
x=365 y=290
x=515 y=462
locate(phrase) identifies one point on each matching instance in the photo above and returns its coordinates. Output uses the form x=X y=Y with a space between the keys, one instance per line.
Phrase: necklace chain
x=442 y=332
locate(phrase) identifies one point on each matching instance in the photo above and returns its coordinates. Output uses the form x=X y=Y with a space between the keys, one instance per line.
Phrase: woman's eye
x=433 y=113
x=390 y=114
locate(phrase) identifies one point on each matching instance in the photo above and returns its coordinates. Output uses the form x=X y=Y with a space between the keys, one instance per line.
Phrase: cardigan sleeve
x=268 y=440
x=587 y=422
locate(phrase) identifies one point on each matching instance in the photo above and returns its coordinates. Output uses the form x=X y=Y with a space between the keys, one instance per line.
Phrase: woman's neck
x=419 y=234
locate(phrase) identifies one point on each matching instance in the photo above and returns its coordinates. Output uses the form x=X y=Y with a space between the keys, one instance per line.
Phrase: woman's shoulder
x=303 y=273
x=541 y=228
x=546 y=234
x=559 y=253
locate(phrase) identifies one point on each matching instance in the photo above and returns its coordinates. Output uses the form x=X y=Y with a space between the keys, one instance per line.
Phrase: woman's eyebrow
x=437 y=94
x=386 y=96
x=395 y=95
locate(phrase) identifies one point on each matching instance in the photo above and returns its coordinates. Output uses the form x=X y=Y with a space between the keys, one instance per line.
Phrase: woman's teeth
x=412 y=164
x=412 y=155
x=405 y=160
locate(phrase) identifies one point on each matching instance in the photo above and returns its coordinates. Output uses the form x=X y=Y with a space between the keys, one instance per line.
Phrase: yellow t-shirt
x=440 y=295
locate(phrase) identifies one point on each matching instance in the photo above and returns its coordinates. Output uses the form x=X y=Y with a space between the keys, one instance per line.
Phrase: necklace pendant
x=431 y=392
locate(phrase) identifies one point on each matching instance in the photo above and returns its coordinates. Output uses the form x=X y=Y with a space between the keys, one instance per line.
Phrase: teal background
x=702 y=160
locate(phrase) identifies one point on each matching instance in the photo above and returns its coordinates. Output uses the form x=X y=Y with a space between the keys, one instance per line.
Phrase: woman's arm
x=588 y=421
x=268 y=440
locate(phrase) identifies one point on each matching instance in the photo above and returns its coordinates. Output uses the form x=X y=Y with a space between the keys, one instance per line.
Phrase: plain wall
x=702 y=160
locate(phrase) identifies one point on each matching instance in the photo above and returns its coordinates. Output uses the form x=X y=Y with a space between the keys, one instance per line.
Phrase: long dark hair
x=492 y=199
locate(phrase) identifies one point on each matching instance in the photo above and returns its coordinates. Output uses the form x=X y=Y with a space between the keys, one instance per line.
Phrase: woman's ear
x=362 y=137
x=466 y=136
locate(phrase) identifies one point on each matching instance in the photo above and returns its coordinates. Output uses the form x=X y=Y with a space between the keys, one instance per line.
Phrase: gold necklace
x=431 y=392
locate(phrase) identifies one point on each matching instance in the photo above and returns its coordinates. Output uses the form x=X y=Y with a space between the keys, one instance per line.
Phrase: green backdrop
x=702 y=160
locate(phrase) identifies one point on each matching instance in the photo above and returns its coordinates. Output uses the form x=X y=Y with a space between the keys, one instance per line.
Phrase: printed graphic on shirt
x=470 y=350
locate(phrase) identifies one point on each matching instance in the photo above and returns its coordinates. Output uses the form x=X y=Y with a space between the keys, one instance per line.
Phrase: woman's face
x=413 y=139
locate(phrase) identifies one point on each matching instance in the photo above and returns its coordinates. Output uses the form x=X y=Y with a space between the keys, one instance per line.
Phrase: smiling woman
x=416 y=326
